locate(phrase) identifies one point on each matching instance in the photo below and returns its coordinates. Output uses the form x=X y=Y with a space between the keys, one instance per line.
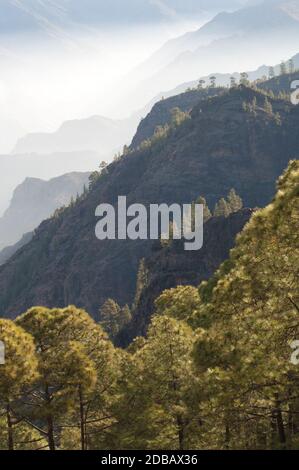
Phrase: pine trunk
x=82 y=419
x=10 y=440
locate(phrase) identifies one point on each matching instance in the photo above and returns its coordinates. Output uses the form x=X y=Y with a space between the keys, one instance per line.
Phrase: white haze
x=75 y=75
x=45 y=83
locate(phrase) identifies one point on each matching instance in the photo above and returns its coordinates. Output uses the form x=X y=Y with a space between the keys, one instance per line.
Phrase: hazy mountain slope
x=223 y=79
x=35 y=200
x=222 y=25
x=220 y=147
x=97 y=134
x=15 y=168
x=9 y=251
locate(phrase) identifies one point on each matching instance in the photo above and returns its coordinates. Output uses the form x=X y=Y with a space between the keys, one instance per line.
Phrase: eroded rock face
x=172 y=266
x=222 y=146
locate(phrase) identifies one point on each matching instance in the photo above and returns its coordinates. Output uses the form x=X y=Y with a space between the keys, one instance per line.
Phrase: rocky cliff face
x=172 y=266
x=223 y=145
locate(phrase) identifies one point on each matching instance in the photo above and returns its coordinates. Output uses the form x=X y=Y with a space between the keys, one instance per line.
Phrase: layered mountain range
x=57 y=17
x=260 y=32
x=35 y=200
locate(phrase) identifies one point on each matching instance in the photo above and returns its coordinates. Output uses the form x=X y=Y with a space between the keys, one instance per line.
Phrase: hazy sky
x=68 y=59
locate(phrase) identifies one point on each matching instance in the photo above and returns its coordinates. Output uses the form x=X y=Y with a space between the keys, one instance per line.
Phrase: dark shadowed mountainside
x=239 y=139
x=160 y=114
x=172 y=266
x=35 y=200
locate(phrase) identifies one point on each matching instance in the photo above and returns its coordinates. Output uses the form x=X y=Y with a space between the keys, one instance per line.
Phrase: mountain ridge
x=34 y=200
x=249 y=28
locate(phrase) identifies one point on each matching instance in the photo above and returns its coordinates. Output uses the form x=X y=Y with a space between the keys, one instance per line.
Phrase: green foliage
x=201 y=83
x=113 y=318
x=180 y=303
x=268 y=107
x=76 y=365
x=93 y=178
x=221 y=208
x=255 y=306
x=157 y=382
x=242 y=353
x=17 y=373
x=225 y=207
x=161 y=133
x=178 y=117
x=206 y=211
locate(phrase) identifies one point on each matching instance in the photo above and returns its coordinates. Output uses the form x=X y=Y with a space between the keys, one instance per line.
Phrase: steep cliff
x=172 y=266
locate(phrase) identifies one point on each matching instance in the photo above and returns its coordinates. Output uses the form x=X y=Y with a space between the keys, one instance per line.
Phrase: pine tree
x=201 y=84
x=212 y=81
x=268 y=107
x=126 y=315
x=234 y=201
x=221 y=208
x=103 y=168
x=206 y=211
x=271 y=72
x=76 y=368
x=17 y=373
x=157 y=381
x=141 y=282
x=93 y=178
x=110 y=317
x=245 y=351
x=180 y=303
x=283 y=68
